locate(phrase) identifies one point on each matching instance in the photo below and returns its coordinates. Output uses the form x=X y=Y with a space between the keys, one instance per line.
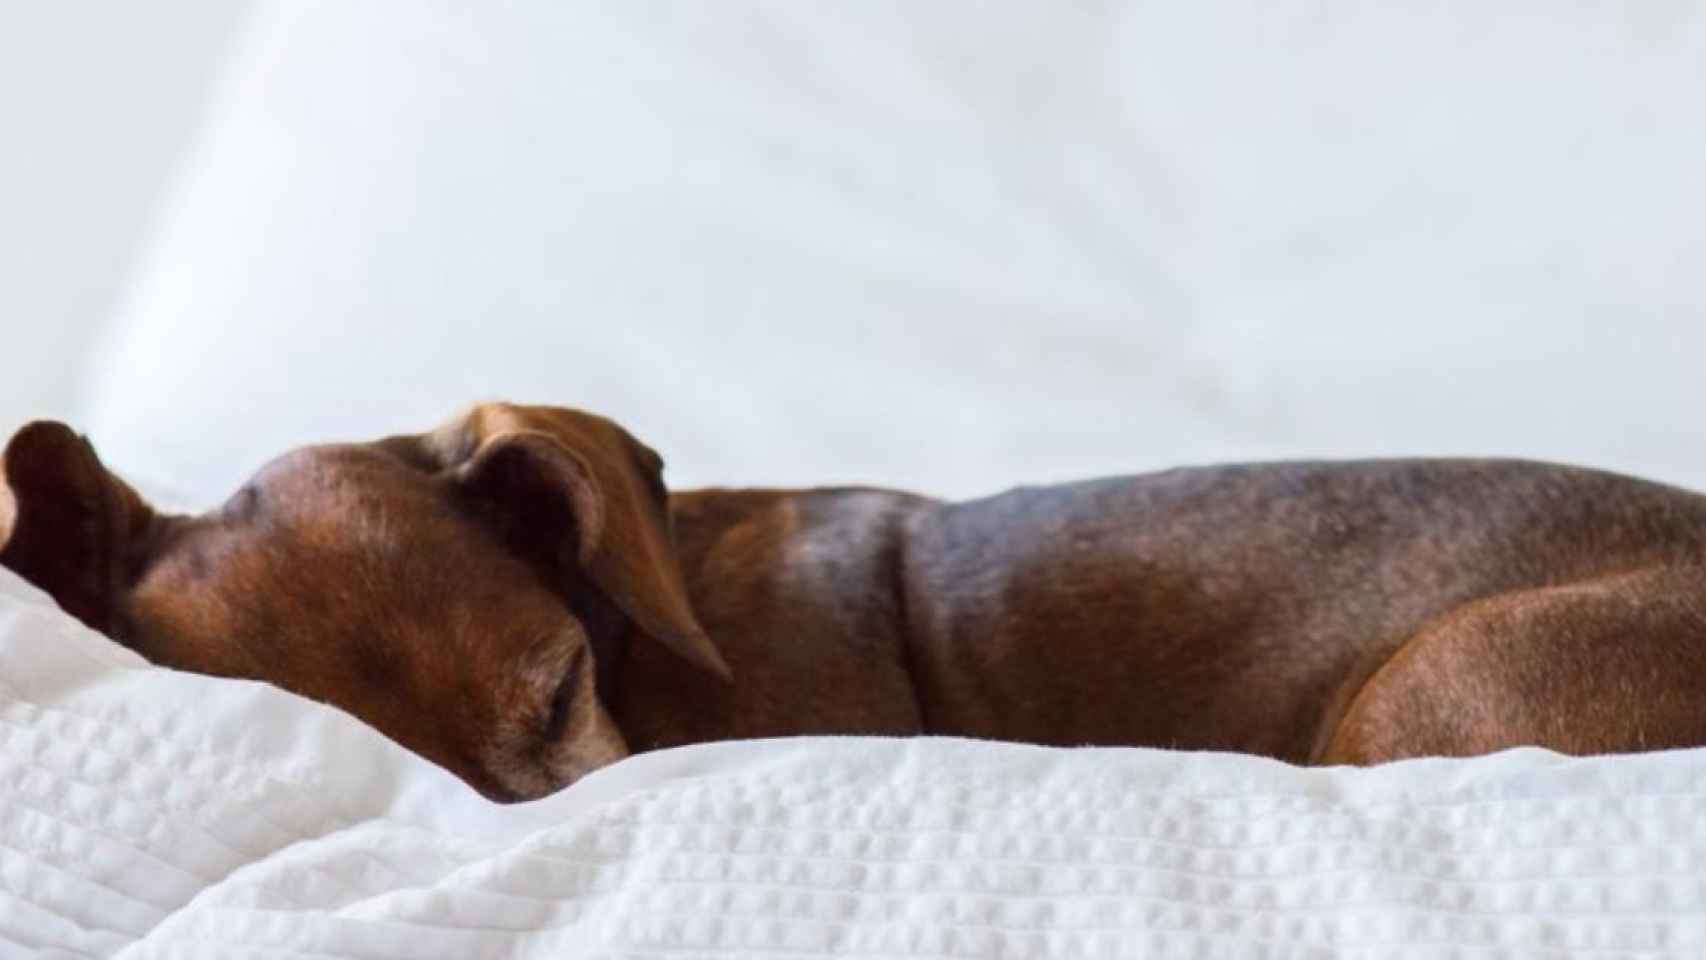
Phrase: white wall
x=948 y=246
x=96 y=99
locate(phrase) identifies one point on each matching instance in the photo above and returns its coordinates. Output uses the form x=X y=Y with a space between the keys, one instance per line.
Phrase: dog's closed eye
x=557 y=716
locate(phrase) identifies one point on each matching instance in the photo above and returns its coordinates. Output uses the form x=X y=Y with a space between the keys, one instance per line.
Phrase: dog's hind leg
x=1612 y=665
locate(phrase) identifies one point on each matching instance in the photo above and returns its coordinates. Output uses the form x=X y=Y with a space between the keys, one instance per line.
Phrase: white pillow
x=947 y=246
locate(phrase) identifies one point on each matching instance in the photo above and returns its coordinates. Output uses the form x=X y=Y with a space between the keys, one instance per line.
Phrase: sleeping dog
x=516 y=597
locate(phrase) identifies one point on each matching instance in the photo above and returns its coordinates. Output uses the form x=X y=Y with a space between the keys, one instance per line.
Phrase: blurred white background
x=96 y=101
x=947 y=246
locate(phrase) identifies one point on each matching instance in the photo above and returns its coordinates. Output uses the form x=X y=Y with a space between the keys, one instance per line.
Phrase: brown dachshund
x=516 y=597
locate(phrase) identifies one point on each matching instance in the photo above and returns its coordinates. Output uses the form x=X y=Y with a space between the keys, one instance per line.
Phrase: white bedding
x=148 y=813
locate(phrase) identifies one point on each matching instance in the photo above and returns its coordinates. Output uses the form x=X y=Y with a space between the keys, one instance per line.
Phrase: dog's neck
x=803 y=593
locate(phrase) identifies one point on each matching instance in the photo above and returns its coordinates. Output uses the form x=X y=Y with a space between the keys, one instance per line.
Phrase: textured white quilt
x=145 y=813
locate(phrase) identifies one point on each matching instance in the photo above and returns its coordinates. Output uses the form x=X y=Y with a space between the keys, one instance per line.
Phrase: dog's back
x=1237 y=607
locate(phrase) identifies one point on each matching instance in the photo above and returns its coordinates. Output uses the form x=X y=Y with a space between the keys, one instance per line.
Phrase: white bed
x=149 y=813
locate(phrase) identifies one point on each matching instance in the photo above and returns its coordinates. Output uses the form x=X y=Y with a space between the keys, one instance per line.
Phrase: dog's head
x=467 y=591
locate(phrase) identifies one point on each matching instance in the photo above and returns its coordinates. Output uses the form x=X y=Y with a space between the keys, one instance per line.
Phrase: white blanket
x=145 y=813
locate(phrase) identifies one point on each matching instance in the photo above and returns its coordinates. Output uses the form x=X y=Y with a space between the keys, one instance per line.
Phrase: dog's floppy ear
x=578 y=497
x=67 y=525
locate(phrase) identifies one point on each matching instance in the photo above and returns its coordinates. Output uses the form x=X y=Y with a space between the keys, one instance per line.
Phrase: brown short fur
x=488 y=594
